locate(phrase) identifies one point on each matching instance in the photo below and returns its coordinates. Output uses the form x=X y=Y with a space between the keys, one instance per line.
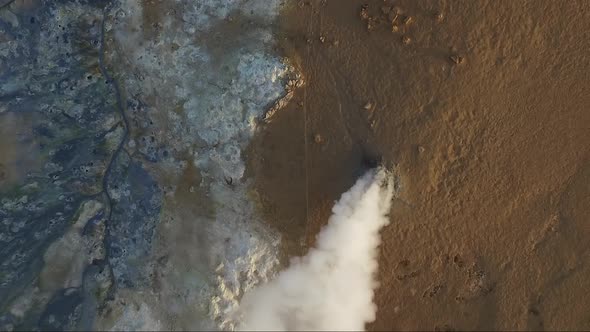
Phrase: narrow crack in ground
x=121 y=110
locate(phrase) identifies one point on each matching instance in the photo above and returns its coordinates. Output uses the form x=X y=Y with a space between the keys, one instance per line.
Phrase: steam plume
x=331 y=288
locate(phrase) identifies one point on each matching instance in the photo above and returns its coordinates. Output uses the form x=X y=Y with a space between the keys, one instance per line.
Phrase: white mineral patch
x=66 y=258
x=205 y=89
x=137 y=318
x=246 y=257
x=64 y=261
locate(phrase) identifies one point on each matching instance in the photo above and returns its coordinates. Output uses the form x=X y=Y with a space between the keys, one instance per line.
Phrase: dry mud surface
x=482 y=107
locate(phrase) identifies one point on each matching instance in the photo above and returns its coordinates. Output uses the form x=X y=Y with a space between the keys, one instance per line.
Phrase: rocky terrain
x=123 y=201
x=159 y=159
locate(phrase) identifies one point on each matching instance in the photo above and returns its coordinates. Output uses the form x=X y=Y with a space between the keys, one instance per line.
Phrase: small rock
x=364 y=12
x=406 y=40
x=322 y=39
x=368 y=106
x=421 y=149
x=393 y=16
x=457 y=59
x=408 y=20
x=318 y=139
x=371 y=24
x=438 y=17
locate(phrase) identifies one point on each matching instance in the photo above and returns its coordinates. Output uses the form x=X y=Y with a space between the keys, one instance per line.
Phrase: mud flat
x=482 y=107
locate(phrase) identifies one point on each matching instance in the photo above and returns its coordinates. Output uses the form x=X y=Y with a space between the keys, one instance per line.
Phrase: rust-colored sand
x=484 y=108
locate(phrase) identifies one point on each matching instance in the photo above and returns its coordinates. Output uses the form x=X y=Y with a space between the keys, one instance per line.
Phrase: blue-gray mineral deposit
x=121 y=122
x=61 y=138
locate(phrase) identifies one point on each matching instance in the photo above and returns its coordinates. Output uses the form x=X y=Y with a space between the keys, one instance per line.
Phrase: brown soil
x=483 y=107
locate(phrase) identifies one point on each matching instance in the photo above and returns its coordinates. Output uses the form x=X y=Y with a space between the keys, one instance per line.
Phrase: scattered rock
x=318 y=139
x=457 y=59
x=478 y=283
x=438 y=17
x=229 y=181
x=364 y=14
x=371 y=23
x=408 y=20
x=373 y=123
x=432 y=292
x=392 y=16
x=388 y=16
x=406 y=276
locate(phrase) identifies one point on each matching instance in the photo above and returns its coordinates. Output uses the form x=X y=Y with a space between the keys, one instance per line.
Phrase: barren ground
x=483 y=108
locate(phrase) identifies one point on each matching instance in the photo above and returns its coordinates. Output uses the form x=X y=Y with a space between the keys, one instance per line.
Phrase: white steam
x=331 y=288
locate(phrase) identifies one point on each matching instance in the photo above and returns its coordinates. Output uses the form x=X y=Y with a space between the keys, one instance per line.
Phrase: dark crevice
x=121 y=109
